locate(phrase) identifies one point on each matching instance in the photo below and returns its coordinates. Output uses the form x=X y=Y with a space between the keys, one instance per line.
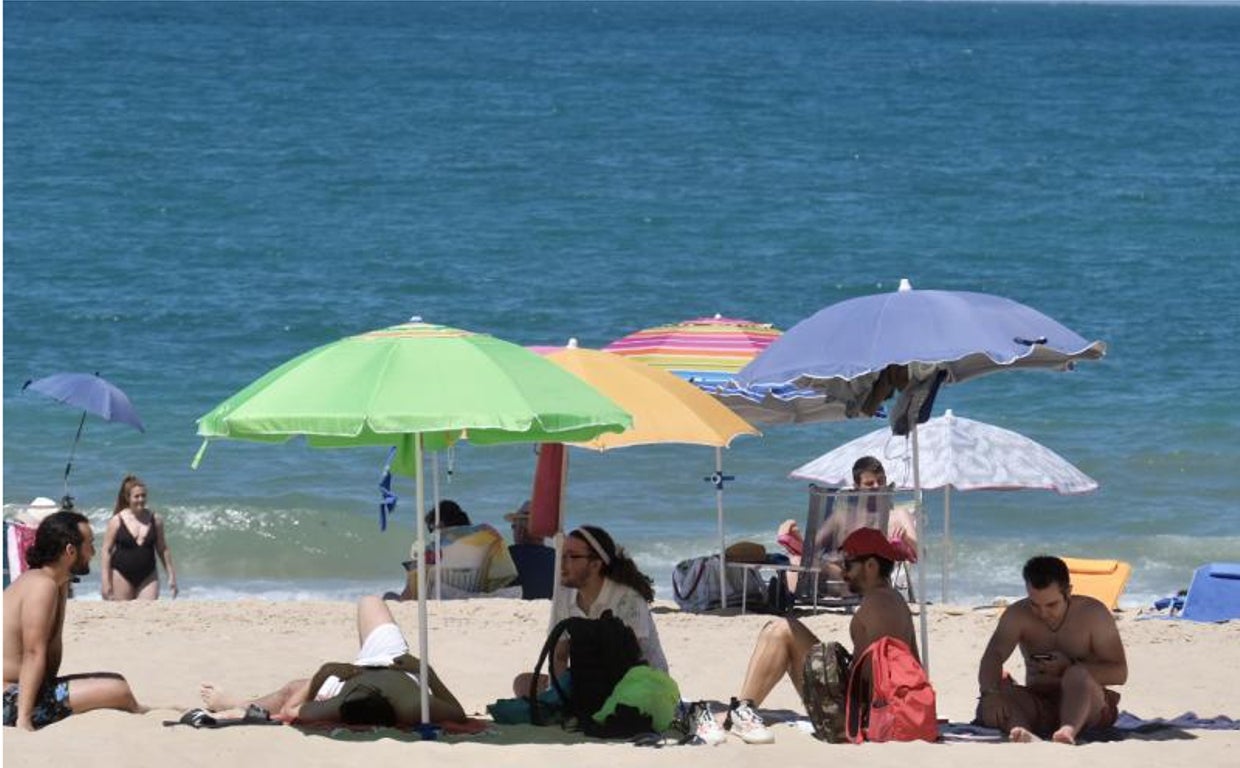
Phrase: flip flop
x=195 y=718
x=201 y=718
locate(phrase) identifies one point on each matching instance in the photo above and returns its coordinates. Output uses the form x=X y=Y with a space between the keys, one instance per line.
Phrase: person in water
x=131 y=543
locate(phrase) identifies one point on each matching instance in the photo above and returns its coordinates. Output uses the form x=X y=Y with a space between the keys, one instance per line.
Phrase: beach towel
x=1126 y=726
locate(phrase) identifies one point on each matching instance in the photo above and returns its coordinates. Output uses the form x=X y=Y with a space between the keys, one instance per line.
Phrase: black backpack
x=600 y=652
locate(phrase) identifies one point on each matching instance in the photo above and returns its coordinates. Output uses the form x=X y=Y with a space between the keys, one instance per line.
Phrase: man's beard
x=80 y=568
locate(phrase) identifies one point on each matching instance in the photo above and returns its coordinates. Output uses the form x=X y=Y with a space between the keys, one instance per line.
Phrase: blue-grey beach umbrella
x=91 y=393
x=861 y=352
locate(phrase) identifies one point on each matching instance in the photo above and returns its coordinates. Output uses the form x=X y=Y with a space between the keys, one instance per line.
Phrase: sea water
x=194 y=193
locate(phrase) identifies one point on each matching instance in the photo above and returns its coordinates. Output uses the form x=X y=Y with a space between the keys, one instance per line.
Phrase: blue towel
x=1127 y=721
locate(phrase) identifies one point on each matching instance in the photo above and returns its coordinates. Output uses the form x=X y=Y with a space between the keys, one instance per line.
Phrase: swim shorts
x=50 y=705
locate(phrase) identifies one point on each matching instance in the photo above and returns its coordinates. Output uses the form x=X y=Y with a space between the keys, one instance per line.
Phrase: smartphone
x=1042 y=656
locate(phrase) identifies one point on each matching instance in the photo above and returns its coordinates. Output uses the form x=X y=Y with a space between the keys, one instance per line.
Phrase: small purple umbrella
x=92 y=394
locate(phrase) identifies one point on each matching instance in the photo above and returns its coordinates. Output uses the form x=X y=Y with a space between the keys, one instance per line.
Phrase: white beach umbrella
x=957 y=453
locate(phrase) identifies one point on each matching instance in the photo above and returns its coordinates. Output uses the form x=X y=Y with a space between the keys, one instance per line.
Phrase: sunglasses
x=580 y=557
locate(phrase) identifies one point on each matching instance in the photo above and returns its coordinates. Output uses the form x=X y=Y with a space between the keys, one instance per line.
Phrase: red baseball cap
x=864 y=542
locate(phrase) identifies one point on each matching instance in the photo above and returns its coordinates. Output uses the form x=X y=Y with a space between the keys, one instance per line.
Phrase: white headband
x=594 y=545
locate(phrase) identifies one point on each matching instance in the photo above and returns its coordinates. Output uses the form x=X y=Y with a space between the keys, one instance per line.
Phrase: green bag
x=825 y=687
x=645 y=689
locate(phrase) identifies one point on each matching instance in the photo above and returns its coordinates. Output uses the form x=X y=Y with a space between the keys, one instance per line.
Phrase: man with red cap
x=783 y=644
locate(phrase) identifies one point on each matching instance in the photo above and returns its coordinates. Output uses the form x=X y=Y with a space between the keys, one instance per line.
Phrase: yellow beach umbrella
x=665 y=409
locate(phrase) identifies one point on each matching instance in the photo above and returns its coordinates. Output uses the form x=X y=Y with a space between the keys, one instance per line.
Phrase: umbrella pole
x=919 y=521
x=947 y=537
x=438 y=535
x=423 y=629
x=723 y=563
x=72 y=451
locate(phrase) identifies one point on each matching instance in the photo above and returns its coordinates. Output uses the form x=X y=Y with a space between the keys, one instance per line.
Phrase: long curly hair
x=621 y=569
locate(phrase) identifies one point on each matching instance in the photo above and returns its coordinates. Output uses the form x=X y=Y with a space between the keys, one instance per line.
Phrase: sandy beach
x=167 y=648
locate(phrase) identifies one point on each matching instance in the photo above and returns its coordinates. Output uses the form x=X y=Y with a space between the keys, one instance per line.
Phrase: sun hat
x=37 y=511
x=866 y=542
x=522 y=513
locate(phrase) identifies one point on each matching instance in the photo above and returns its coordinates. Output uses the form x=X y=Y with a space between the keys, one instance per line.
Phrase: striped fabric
x=706 y=351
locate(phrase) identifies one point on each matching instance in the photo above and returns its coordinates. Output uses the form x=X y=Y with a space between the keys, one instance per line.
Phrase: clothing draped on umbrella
x=861 y=352
x=415 y=386
x=956 y=453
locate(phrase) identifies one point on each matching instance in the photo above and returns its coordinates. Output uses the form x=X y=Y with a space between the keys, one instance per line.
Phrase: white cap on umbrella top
x=905 y=285
x=572 y=344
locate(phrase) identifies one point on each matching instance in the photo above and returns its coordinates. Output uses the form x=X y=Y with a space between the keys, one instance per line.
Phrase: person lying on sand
x=1072 y=649
x=380 y=687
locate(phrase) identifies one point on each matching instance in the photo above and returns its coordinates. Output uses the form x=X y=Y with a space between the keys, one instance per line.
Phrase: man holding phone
x=1072 y=650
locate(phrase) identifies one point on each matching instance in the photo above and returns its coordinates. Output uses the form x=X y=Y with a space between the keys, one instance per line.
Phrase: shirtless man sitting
x=34 y=620
x=1071 y=648
x=783 y=644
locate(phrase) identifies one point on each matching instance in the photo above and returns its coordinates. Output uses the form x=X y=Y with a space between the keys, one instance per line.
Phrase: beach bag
x=600 y=652
x=645 y=700
x=825 y=689
x=889 y=696
x=695 y=586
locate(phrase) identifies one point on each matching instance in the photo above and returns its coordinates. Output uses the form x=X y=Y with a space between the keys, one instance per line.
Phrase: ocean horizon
x=194 y=193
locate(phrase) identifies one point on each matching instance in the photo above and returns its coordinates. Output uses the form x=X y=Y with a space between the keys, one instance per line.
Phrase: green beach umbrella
x=415 y=386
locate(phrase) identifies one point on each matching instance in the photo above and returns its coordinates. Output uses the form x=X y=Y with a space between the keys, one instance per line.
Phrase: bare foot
x=1065 y=735
x=216 y=700
x=1022 y=736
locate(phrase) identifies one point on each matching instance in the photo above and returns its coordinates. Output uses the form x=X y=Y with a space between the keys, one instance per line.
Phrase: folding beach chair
x=1103 y=580
x=1214 y=594
x=832 y=515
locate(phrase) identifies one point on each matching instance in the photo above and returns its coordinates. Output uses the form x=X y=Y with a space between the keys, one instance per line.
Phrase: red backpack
x=897 y=704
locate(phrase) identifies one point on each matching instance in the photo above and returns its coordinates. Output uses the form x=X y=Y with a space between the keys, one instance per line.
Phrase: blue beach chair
x=1213 y=594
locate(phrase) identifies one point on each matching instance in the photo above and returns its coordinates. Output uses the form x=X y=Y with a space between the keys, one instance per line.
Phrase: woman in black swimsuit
x=135 y=535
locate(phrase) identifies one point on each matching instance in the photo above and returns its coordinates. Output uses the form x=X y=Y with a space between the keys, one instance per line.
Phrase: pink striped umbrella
x=706 y=351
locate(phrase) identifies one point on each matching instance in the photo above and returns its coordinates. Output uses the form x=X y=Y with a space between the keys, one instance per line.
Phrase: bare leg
x=121 y=588
x=217 y=700
x=102 y=691
x=149 y=590
x=521 y=684
x=781 y=650
x=1018 y=715
x=371 y=612
x=1080 y=706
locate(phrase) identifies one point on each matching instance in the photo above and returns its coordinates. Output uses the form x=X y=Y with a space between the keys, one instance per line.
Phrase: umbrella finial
x=905 y=285
x=415 y=318
x=948 y=414
x=572 y=343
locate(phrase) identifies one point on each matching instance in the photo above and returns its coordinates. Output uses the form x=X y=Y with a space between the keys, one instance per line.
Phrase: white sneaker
x=745 y=724
x=705 y=726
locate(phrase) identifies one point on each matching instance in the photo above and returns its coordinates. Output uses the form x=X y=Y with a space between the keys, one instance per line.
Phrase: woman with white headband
x=598 y=576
